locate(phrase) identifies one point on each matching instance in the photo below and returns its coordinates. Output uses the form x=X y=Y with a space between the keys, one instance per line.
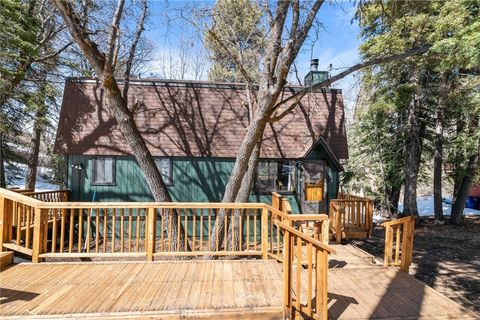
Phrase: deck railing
x=122 y=230
x=48 y=196
x=305 y=284
x=399 y=242
x=351 y=214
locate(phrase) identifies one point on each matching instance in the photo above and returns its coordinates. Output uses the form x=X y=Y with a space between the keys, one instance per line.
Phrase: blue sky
x=337 y=43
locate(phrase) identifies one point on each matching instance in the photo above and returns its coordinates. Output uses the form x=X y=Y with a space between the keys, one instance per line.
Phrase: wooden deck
x=139 y=289
x=357 y=289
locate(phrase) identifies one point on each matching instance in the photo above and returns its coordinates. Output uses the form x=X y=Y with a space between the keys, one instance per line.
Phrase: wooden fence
x=399 y=242
x=351 y=217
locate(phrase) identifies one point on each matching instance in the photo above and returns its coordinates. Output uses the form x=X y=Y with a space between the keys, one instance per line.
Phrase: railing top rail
x=29 y=193
x=350 y=200
x=93 y=205
x=20 y=197
x=146 y=205
x=398 y=221
x=276 y=211
x=306 y=238
x=308 y=217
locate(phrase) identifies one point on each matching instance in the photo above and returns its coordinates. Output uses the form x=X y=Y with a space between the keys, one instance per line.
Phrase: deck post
x=325 y=228
x=3 y=222
x=338 y=223
x=264 y=235
x=151 y=228
x=38 y=236
x=388 y=246
x=370 y=218
x=407 y=245
x=287 y=272
x=321 y=287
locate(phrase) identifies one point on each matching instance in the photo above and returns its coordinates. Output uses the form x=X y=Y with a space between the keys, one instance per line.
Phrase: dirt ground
x=445 y=257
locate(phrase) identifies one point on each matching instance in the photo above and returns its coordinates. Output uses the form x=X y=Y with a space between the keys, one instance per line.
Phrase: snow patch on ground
x=425 y=207
x=43 y=182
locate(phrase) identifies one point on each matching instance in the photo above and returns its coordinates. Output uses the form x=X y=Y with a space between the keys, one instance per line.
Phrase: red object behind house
x=474 y=191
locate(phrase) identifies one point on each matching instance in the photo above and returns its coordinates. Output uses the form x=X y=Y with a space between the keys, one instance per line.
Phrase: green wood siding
x=194 y=180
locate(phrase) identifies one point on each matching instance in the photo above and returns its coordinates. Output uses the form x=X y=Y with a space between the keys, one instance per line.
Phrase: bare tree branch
x=54 y=54
x=113 y=43
x=79 y=33
x=133 y=47
x=295 y=98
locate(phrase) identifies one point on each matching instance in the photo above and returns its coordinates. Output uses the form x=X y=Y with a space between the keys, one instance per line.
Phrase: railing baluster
x=299 y=271
x=201 y=230
x=97 y=230
x=80 y=230
x=27 y=227
x=71 y=228
x=397 y=245
x=185 y=227
x=194 y=227
x=162 y=231
x=137 y=238
x=130 y=229
x=105 y=229
x=122 y=228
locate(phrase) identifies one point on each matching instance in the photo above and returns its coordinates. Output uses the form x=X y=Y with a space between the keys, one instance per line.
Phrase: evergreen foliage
x=237 y=24
x=398 y=117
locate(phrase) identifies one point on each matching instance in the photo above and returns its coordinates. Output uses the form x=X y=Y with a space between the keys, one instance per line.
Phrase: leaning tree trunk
x=437 y=168
x=458 y=206
x=253 y=135
x=145 y=160
x=32 y=162
x=102 y=64
x=242 y=196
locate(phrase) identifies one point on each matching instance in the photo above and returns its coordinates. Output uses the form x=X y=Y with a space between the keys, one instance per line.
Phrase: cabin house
x=194 y=130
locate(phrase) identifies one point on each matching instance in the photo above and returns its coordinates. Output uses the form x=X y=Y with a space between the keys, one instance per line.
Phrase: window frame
x=279 y=164
x=114 y=172
x=170 y=169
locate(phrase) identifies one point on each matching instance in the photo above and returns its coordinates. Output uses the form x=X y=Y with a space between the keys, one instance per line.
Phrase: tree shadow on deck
x=445 y=257
x=336 y=264
x=402 y=298
x=338 y=304
x=10 y=295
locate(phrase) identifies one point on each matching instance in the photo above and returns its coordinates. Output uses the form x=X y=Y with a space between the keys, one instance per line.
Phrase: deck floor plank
x=358 y=289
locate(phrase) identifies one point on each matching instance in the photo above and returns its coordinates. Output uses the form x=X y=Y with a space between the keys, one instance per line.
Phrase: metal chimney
x=314 y=76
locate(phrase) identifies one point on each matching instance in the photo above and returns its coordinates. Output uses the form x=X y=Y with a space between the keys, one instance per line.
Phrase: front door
x=313 y=187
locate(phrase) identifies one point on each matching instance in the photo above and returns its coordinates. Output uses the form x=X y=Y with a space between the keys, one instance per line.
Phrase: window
x=104 y=171
x=164 y=165
x=275 y=176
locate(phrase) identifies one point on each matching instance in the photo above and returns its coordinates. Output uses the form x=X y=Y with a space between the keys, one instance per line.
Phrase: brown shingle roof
x=201 y=119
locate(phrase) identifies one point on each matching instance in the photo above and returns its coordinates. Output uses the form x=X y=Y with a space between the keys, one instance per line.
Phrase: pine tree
x=238 y=32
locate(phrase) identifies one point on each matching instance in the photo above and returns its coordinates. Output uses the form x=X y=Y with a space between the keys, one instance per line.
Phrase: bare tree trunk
x=3 y=180
x=394 y=197
x=242 y=196
x=32 y=161
x=437 y=168
x=253 y=135
x=458 y=206
x=249 y=178
x=103 y=66
x=412 y=160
